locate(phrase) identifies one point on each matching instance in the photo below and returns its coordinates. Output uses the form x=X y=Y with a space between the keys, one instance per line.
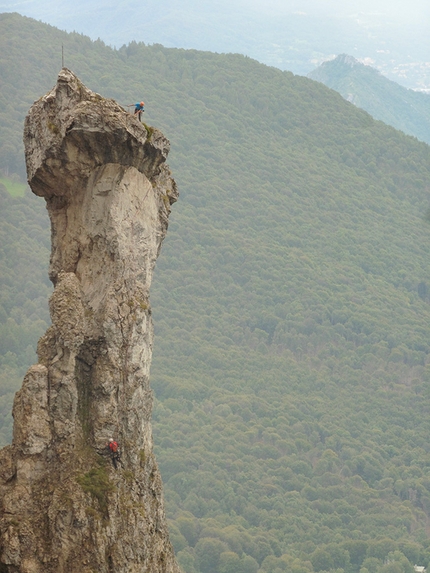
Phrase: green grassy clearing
x=14 y=188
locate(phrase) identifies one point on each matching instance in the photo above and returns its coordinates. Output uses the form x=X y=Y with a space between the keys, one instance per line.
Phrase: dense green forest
x=291 y=304
x=365 y=87
x=24 y=291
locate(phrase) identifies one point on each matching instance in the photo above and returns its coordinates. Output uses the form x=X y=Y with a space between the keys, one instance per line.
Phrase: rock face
x=64 y=507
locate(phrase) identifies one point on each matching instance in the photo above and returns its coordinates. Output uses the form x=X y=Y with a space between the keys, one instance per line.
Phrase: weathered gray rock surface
x=64 y=507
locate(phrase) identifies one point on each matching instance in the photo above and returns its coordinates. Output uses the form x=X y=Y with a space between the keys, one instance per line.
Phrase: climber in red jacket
x=113 y=448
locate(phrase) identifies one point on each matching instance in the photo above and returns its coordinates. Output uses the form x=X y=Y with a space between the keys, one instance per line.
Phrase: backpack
x=113 y=447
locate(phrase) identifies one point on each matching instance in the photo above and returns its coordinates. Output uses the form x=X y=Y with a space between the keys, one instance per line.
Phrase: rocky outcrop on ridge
x=64 y=507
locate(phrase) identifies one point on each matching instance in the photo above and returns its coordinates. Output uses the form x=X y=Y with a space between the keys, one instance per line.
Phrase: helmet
x=142 y=103
x=111 y=439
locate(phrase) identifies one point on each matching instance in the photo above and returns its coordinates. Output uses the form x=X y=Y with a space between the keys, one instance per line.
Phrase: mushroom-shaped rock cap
x=74 y=130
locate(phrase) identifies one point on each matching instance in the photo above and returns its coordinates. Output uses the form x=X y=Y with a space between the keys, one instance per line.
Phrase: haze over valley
x=392 y=36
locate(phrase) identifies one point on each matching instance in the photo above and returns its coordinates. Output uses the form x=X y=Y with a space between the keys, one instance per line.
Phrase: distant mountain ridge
x=384 y=99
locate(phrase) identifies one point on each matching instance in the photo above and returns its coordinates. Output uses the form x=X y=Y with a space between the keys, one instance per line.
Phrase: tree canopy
x=290 y=301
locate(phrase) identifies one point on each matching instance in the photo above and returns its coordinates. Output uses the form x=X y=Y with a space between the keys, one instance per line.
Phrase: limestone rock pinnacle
x=64 y=508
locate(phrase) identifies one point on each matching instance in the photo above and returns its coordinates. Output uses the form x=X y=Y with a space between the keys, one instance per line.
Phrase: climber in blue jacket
x=138 y=109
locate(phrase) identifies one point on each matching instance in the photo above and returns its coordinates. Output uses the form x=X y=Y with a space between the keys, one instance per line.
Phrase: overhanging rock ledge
x=108 y=190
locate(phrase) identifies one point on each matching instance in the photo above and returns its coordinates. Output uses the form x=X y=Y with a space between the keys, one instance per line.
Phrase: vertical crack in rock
x=64 y=507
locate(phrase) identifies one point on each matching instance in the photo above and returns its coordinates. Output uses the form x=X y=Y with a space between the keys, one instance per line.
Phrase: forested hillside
x=291 y=306
x=365 y=87
x=24 y=291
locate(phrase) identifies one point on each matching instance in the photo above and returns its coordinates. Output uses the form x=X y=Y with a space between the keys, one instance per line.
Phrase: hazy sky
x=291 y=34
x=409 y=9
x=399 y=9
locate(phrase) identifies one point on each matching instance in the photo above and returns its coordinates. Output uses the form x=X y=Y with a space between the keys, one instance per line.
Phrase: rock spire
x=108 y=191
